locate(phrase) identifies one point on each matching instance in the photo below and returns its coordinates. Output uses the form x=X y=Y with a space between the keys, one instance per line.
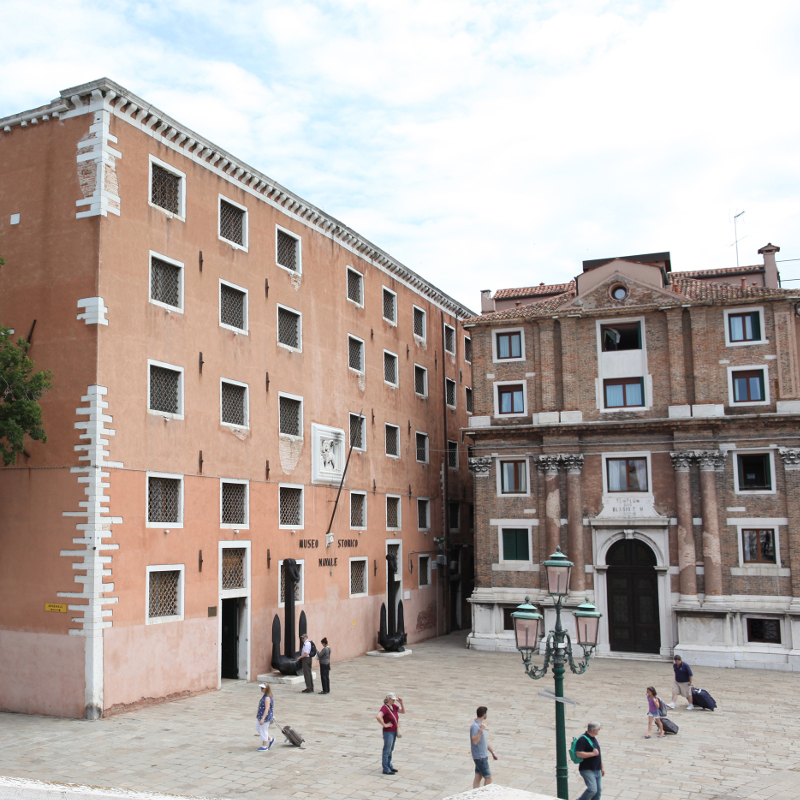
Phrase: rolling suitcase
x=702 y=699
x=292 y=736
x=669 y=725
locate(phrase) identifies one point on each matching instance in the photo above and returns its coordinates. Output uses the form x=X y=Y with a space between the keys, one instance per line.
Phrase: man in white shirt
x=305 y=662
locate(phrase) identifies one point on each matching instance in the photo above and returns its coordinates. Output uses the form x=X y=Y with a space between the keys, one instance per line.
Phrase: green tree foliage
x=20 y=390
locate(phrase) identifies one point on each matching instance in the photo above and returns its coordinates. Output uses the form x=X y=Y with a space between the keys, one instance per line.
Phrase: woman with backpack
x=654 y=712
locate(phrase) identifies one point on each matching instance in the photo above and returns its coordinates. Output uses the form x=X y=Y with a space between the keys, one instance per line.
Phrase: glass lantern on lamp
x=587 y=625
x=558 y=568
x=526 y=627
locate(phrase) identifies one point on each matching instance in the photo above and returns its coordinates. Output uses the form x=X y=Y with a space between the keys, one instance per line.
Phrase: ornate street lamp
x=558 y=648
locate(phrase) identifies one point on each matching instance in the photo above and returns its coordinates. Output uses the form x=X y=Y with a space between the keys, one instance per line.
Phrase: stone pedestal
x=385 y=654
x=278 y=678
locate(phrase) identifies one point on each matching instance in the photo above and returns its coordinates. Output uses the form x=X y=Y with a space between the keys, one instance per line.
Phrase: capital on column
x=682 y=460
x=573 y=462
x=548 y=464
x=710 y=459
x=480 y=466
x=790 y=456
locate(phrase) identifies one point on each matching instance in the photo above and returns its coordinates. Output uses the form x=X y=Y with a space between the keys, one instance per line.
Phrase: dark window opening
x=621 y=337
x=754 y=472
x=764 y=630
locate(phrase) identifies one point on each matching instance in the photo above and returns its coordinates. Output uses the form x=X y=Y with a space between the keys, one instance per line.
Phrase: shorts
x=656 y=715
x=482 y=767
x=683 y=689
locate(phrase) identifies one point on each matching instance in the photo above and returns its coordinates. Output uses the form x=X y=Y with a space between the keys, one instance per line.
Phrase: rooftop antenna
x=736 y=237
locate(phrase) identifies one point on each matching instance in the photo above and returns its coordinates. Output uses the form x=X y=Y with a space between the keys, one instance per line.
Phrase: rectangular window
x=392 y=513
x=454 y=516
x=392 y=441
x=355 y=287
x=452 y=454
x=233 y=568
x=355 y=353
x=621 y=336
x=449 y=339
x=511 y=399
x=163 y=499
x=389 y=306
x=232 y=223
x=758 y=546
x=289 y=328
x=358 y=577
x=165 y=189
x=420 y=329
x=509 y=345
x=744 y=327
x=515 y=544
x=234 y=404
x=291 y=506
x=164 y=590
x=291 y=415
x=748 y=386
x=767 y=631
x=420 y=380
x=513 y=477
x=232 y=306
x=468 y=349
x=234 y=503
x=298 y=587
x=450 y=392
x=754 y=472
x=165 y=389
x=422 y=448
x=424 y=571
x=623 y=392
x=627 y=474
x=287 y=250
x=166 y=282
x=423 y=514
x=358 y=510
x=358 y=434
x=390 y=368
x=468 y=398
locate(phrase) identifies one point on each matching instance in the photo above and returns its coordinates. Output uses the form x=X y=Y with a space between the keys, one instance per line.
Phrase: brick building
x=647 y=422
x=218 y=345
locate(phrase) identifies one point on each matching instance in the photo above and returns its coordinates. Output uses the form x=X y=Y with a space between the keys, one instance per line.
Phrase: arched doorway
x=633 y=624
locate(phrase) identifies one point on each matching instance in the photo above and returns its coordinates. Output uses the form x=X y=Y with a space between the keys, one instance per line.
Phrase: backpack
x=662 y=707
x=313 y=649
x=573 y=750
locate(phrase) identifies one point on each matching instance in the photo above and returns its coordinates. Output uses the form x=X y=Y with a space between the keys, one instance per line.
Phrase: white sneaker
x=690 y=707
x=671 y=705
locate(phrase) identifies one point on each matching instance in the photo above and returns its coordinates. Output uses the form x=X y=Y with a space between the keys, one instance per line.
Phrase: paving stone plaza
x=206 y=745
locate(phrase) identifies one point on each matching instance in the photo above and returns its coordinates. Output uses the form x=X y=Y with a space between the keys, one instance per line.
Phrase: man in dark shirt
x=683 y=682
x=591 y=767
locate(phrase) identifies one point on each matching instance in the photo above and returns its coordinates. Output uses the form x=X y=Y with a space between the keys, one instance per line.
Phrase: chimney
x=487 y=301
x=771 y=278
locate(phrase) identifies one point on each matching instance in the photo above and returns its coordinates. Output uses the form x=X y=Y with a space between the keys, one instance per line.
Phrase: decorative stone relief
x=328 y=454
x=480 y=466
x=791 y=457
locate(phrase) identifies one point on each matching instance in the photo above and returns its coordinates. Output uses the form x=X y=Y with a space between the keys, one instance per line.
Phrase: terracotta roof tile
x=532 y=291
x=703 y=290
x=721 y=272
x=549 y=306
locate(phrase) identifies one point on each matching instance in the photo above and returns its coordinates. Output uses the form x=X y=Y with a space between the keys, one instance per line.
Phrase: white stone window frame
x=466 y=405
x=447 y=453
x=298 y=251
x=647 y=378
x=181 y=215
x=645 y=454
x=424 y=337
x=427 y=447
x=427 y=514
x=399 y=499
x=467 y=339
x=496 y=398
x=172 y=309
x=396 y=358
x=749 y=368
x=245 y=224
x=499 y=461
x=301 y=562
x=363 y=419
x=425 y=371
x=428 y=557
x=291 y=436
x=495 y=333
x=449 y=352
x=241 y=526
x=150 y=569
x=392 y=322
x=455 y=392
x=399 y=449
x=285 y=346
x=242 y=591
x=515 y=565
x=163 y=525
x=755 y=569
x=246 y=311
x=365 y=560
x=166 y=414
x=362 y=527
x=348 y=270
x=363 y=370
x=302 y=524
x=246 y=425
x=748 y=310
x=756 y=451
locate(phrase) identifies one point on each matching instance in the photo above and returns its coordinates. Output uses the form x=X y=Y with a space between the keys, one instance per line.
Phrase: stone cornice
x=125 y=105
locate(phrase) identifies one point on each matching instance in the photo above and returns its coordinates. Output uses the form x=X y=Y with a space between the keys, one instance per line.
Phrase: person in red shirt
x=388 y=719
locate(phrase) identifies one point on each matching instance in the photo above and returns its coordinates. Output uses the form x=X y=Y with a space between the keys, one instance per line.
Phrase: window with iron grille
x=392 y=440
x=358 y=437
x=288 y=251
x=424 y=570
x=163 y=499
x=468 y=398
x=355 y=353
x=452 y=454
x=163 y=593
x=234 y=503
x=233 y=567
x=298 y=587
x=291 y=416
x=165 y=189
x=355 y=287
x=358 y=510
x=389 y=305
x=420 y=380
x=165 y=282
x=423 y=515
x=232 y=307
x=358 y=576
x=764 y=630
x=392 y=512
x=165 y=389
x=468 y=349
x=422 y=447
x=234 y=404
x=419 y=323
x=450 y=391
x=289 y=328
x=390 y=368
x=449 y=339
x=291 y=506
x=454 y=516
x=231 y=222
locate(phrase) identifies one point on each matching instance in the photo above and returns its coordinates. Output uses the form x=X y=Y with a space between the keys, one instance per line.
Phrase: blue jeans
x=389 y=738
x=591 y=777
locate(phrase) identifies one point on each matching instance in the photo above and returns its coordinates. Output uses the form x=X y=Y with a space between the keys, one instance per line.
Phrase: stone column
x=710 y=461
x=687 y=558
x=575 y=538
x=549 y=466
x=791 y=472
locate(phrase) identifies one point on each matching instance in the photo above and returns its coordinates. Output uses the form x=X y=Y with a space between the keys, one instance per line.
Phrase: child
x=266 y=711
x=653 y=713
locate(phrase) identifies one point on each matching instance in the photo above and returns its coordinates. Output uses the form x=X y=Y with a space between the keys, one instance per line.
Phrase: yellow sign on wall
x=56 y=607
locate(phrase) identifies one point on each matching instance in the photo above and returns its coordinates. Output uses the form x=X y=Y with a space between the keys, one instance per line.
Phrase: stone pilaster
x=549 y=466
x=791 y=470
x=710 y=461
x=677 y=366
x=687 y=557
x=548 y=364
x=573 y=462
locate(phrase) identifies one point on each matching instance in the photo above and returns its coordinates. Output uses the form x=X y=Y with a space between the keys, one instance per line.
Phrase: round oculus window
x=619 y=292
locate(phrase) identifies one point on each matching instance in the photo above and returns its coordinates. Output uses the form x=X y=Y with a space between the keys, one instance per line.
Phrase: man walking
x=481 y=749
x=305 y=663
x=682 y=684
x=591 y=767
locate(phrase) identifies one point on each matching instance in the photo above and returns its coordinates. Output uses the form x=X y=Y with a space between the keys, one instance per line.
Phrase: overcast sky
x=484 y=144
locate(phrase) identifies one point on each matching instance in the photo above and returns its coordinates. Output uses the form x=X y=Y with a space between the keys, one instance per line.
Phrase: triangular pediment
x=638 y=291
